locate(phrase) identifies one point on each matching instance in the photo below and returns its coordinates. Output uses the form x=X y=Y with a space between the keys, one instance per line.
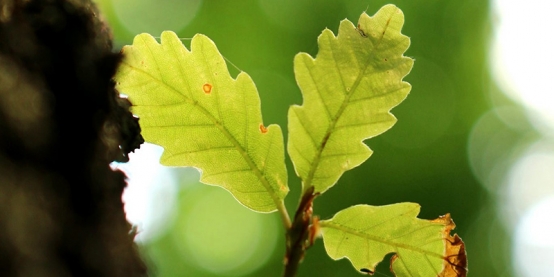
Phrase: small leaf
x=348 y=90
x=365 y=234
x=202 y=117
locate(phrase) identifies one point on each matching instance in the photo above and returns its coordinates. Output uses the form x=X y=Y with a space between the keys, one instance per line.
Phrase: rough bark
x=61 y=124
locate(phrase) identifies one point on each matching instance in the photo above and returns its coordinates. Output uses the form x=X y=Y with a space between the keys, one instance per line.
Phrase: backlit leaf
x=190 y=105
x=348 y=91
x=365 y=234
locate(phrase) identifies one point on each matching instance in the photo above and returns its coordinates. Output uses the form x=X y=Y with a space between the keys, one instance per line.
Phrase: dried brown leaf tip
x=455 y=258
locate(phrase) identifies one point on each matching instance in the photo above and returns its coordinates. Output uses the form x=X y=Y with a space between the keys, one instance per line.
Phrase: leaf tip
x=392 y=8
x=167 y=34
x=143 y=38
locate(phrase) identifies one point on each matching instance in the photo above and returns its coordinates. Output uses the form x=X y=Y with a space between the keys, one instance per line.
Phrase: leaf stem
x=282 y=209
x=298 y=233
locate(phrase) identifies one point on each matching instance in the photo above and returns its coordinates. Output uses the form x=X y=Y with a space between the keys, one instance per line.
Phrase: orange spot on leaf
x=263 y=129
x=207 y=88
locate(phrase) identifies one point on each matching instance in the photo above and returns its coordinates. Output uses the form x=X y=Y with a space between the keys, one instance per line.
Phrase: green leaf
x=190 y=105
x=348 y=91
x=365 y=234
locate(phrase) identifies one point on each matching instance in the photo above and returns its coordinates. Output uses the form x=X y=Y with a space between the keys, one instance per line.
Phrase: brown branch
x=298 y=236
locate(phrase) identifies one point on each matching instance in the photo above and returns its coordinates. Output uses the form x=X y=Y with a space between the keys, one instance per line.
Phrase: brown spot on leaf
x=359 y=29
x=455 y=262
x=207 y=88
x=263 y=129
x=392 y=260
x=455 y=257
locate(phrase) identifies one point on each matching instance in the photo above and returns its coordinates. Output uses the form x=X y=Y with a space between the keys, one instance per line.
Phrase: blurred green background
x=453 y=149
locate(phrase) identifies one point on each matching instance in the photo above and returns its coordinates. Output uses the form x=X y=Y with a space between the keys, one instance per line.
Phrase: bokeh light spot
x=492 y=146
x=522 y=56
x=531 y=178
x=222 y=236
x=298 y=16
x=155 y=16
x=533 y=241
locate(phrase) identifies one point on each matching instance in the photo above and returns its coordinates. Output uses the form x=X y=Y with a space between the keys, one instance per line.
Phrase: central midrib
x=327 y=224
x=346 y=101
x=225 y=132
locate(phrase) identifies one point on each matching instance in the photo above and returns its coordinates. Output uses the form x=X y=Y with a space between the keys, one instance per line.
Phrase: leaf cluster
x=189 y=104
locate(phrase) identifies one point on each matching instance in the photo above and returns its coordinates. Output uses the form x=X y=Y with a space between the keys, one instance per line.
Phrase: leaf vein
x=346 y=229
x=225 y=172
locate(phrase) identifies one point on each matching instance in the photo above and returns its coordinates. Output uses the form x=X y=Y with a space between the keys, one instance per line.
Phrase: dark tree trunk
x=61 y=124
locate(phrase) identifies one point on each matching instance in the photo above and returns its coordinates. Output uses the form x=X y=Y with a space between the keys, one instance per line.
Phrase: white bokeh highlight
x=533 y=241
x=521 y=63
x=522 y=56
x=151 y=194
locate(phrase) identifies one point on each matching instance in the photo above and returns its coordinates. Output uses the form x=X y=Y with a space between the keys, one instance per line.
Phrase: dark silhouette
x=61 y=124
